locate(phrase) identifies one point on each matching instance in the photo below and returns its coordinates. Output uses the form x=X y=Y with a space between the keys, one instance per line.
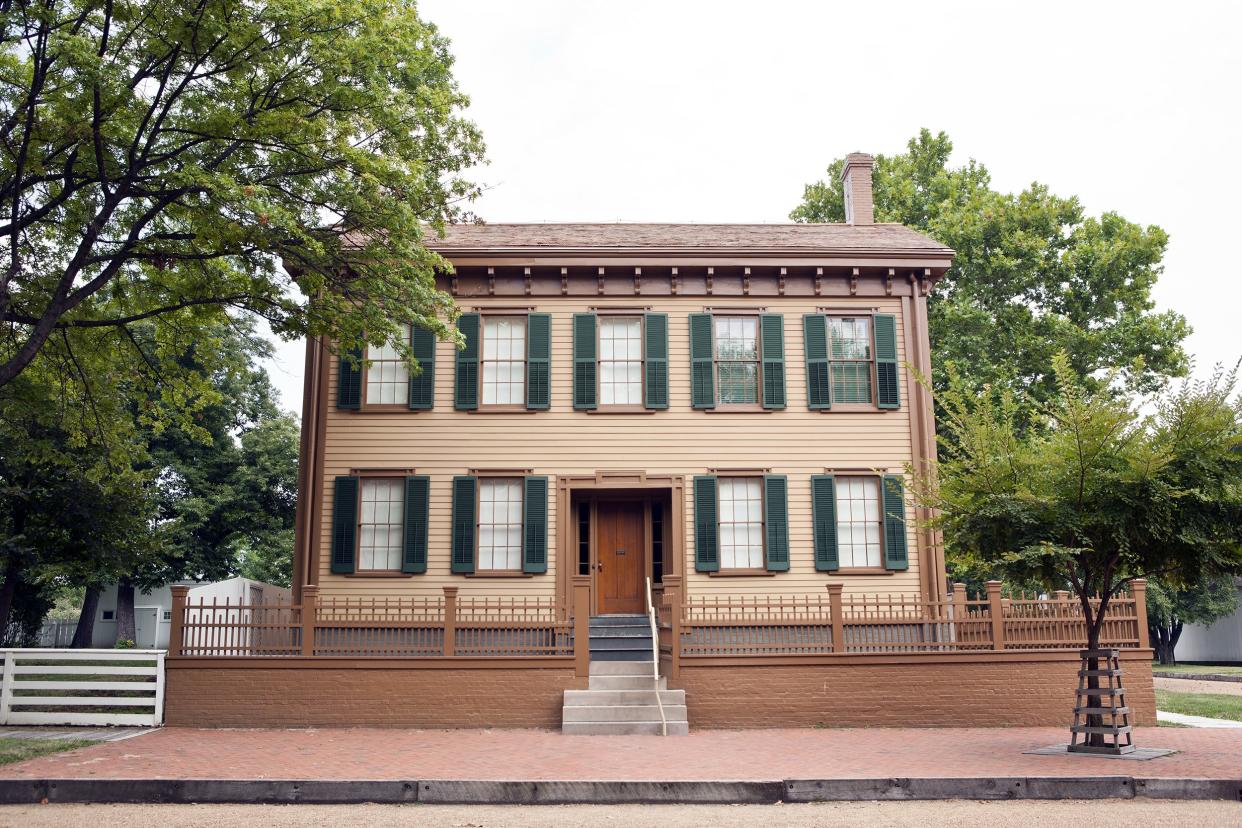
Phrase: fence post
x=1138 y=588
x=176 y=630
x=673 y=600
x=6 y=687
x=838 y=617
x=450 y=621
x=582 y=625
x=310 y=600
x=996 y=609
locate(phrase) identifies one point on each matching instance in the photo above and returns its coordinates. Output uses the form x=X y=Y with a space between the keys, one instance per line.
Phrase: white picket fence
x=83 y=686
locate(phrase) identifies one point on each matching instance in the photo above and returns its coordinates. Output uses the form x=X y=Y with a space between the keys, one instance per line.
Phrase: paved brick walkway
x=350 y=754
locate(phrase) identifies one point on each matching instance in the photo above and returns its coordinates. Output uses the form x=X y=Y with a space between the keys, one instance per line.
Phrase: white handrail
x=655 y=659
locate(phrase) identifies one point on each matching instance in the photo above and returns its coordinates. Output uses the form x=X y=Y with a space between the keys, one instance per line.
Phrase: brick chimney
x=856 y=177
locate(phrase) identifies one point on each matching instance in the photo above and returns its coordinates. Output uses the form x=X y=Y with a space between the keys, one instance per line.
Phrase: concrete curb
x=1199 y=677
x=325 y=791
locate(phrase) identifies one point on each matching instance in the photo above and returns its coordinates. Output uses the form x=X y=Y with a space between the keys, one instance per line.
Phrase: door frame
x=620 y=483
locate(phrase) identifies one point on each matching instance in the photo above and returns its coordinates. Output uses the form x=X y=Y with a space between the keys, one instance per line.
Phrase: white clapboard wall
x=82 y=687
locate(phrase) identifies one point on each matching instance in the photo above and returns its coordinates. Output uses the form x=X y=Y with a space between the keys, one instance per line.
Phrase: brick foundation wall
x=322 y=695
x=976 y=690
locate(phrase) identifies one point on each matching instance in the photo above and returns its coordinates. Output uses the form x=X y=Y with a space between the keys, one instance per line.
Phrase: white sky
x=722 y=111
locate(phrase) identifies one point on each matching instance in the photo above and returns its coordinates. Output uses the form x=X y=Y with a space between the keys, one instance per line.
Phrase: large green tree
x=1171 y=608
x=162 y=157
x=1034 y=275
x=1098 y=493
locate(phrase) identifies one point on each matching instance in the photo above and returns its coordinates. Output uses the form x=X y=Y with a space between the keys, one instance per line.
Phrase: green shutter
x=538 y=361
x=887 y=371
x=584 y=360
x=772 y=350
x=417 y=494
x=466 y=392
x=655 y=357
x=894 y=501
x=824 y=518
x=815 y=339
x=706 y=538
x=776 y=521
x=423 y=386
x=702 y=369
x=344 y=524
x=349 y=381
x=535 y=525
x=465 y=491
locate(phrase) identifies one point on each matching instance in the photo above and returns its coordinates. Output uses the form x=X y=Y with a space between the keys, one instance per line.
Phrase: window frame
x=484 y=318
x=841 y=313
x=363 y=405
x=762 y=569
x=479 y=571
x=359 y=571
x=641 y=317
x=844 y=475
x=738 y=313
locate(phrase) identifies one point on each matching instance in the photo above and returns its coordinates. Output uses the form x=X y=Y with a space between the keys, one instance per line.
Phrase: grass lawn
x=1197 y=668
x=1200 y=704
x=19 y=750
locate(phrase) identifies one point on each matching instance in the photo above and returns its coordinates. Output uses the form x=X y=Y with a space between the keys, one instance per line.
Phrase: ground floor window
x=860 y=522
x=382 y=523
x=500 y=524
x=741 y=522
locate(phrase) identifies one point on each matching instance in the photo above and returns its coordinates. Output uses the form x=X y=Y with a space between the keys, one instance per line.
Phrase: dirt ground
x=1222 y=688
x=962 y=814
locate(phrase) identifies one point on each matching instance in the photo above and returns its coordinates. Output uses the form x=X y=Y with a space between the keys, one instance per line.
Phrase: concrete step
x=624 y=682
x=622 y=668
x=623 y=728
x=625 y=713
x=628 y=642
x=621 y=632
x=597 y=698
x=621 y=655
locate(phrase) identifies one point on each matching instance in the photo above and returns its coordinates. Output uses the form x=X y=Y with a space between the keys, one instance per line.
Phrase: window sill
x=864 y=570
x=854 y=408
x=739 y=409
x=620 y=409
x=742 y=573
x=499 y=573
x=514 y=410
x=380 y=573
x=393 y=409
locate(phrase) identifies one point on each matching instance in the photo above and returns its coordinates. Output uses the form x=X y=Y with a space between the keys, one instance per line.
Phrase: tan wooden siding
x=681 y=441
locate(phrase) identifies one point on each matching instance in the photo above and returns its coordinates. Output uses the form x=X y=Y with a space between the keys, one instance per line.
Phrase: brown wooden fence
x=831 y=623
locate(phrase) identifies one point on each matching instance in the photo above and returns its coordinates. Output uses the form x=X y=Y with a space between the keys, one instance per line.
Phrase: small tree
x=1098 y=493
x=1169 y=609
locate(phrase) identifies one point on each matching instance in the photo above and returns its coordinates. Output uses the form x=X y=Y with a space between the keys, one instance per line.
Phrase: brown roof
x=774 y=237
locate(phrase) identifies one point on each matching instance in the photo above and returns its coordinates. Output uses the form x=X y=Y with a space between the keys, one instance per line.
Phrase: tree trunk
x=84 y=633
x=125 y=611
x=1174 y=635
x=7 y=590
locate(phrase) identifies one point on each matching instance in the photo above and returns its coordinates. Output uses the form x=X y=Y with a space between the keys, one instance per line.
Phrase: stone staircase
x=621 y=697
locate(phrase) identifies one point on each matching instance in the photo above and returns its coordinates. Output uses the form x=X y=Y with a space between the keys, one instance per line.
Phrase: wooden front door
x=621 y=565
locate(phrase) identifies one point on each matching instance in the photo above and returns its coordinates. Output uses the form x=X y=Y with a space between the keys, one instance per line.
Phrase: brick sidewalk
x=376 y=754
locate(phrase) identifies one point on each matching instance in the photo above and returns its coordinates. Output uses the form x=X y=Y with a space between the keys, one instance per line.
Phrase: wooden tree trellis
x=1101 y=709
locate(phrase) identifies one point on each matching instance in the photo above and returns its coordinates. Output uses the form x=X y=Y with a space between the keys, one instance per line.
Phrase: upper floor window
x=850 y=359
x=737 y=359
x=500 y=523
x=620 y=360
x=504 y=360
x=388 y=378
x=860 y=522
x=381 y=524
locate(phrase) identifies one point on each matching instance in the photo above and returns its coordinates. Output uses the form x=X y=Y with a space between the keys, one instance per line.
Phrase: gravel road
x=964 y=814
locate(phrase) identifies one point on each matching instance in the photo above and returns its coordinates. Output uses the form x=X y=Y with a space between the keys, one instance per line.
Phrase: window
x=504 y=361
x=860 y=522
x=382 y=527
x=388 y=378
x=167 y=615
x=109 y=615
x=741 y=522
x=500 y=523
x=620 y=361
x=850 y=359
x=737 y=359
x=584 y=538
x=657 y=543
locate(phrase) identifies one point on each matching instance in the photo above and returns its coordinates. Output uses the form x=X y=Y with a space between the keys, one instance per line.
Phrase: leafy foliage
x=1033 y=276
x=163 y=159
x=1169 y=609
